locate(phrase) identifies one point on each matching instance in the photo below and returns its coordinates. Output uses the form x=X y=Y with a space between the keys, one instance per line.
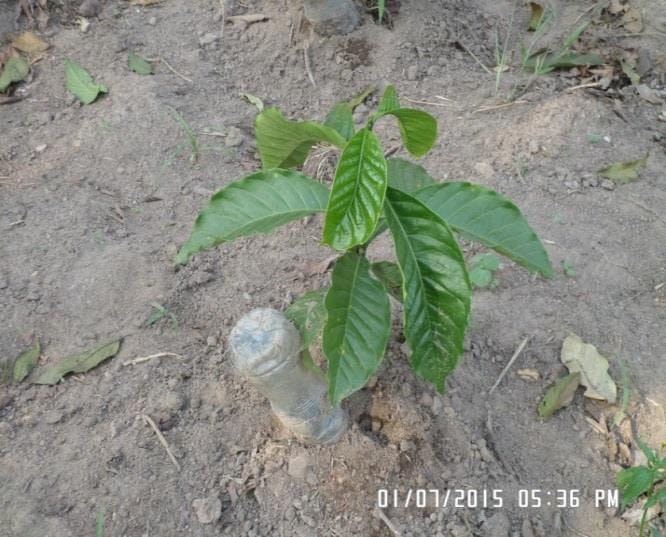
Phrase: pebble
x=426 y=400
x=211 y=341
x=607 y=184
x=437 y=405
x=208 y=510
x=53 y=416
x=290 y=514
x=298 y=466
x=484 y=169
x=235 y=137
x=498 y=525
x=534 y=147
x=152 y=21
x=40 y=148
x=90 y=8
x=209 y=40
x=412 y=72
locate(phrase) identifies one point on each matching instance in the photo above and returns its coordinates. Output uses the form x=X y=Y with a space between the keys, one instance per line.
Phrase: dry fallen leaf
x=144 y=2
x=632 y=20
x=583 y=358
x=528 y=374
x=29 y=43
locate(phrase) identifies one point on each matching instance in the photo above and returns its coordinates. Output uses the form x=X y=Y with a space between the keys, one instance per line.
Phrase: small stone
x=90 y=8
x=484 y=169
x=437 y=405
x=290 y=514
x=590 y=180
x=211 y=341
x=526 y=530
x=298 y=466
x=534 y=147
x=607 y=184
x=407 y=445
x=209 y=40
x=235 y=137
x=152 y=21
x=571 y=184
x=498 y=525
x=53 y=416
x=208 y=510
x=412 y=72
x=426 y=400
x=40 y=148
x=433 y=70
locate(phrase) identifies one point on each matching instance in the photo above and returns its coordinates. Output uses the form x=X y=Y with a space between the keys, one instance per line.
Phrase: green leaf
x=482 y=215
x=417 y=128
x=623 y=172
x=536 y=16
x=139 y=65
x=480 y=277
x=389 y=101
x=26 y=362
x=286 y=144
x=340 y=119
x=255 y=204
x=633 y=483
x=308 y=313
x=15 y=70
x=488 y=261
x=380 y=9
x=436 y=287
x=81 y=84
x=389 y=274
x=650 y=453
x=559 y=395
x=78 y=363
x=358 y=192
x=361 y=97
x=407 y=176
x=655 y=498
x=357 y=328
x=550 y=60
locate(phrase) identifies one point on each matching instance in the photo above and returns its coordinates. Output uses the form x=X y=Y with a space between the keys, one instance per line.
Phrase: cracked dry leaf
x=583 y=358
x=559 y=395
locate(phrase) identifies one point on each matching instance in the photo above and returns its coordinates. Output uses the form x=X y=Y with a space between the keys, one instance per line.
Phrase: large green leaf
x=417 y=128
x=389 y=101
x=482 y=215
x=358 y=192
x=341 y=120
x=255 y=204
x=26 y=362
x=436 y=287
x=286 y=144
x=308 y=313
x=407 y=176
x=389 y=274
x=357 y=328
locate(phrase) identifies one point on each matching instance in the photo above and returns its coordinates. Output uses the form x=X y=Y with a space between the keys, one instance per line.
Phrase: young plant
x=369 y=195
x=647 y=479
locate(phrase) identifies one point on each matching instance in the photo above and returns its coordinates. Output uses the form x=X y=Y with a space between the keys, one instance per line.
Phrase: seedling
x=192 y=139
x=159 y=313
x=481 y=271
x=369 y=195
x=568 y=269
x=647 y=479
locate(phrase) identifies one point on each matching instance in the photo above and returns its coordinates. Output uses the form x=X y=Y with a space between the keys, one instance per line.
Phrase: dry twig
x=142 y=359
x=508 y=366
x=381 y=516
x=149 y=421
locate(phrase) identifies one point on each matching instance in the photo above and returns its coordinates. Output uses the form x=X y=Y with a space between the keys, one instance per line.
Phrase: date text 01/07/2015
x=493 y=498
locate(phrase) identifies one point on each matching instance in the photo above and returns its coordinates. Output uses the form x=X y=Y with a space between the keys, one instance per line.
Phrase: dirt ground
x=95 y=200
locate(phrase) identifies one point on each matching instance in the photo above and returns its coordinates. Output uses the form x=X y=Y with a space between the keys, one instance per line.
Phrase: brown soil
x=89 y=226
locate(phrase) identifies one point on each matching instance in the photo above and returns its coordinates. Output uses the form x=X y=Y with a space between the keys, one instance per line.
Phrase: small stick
x=443 y=105
x=249 y=19
x=508 y=366
x=223 y=13
x=582 y=86
x=380 y=514
x=475 y=58
x=308 y=68
x=175 y=72
x=149 y=421
x=498 y=107
x=444 y=98
x=142 y=359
